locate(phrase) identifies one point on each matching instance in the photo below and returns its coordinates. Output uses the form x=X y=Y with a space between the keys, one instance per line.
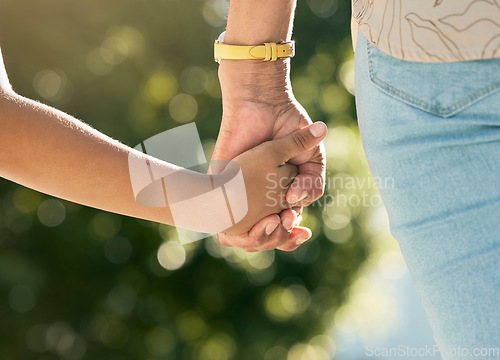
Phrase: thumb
x=299 y=141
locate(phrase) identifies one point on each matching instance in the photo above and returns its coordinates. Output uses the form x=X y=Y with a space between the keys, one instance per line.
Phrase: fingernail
x=318 y=129
x=302 y=196
x=288 y=224
x=271 y=227
x=292 y=199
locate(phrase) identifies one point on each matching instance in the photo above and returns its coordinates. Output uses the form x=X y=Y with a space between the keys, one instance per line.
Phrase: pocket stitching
x=412 y=100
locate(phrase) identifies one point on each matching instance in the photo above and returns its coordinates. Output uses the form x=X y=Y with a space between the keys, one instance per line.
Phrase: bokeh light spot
x=22 y=298
x=276 y=353
x=307 y=352
x=218 y=347
x=122 y=299
x=114 y=50
x=334 y=99
x=190 y=326
x=283 y=303
x=183 y=108
x=160 y=340
x=323 y=8
x=262 y=277
x=193 y=80
x=305 y=89
x=51 y=213
x=215 y=11
x=26 y=200
x=321 y=67
x=346 y=75
x=341 y=141
x=63 y=341
x=132 y=37
x=105 y=225
x=212 y=86
x=35 y=338
x=96 y=63
x=50 y=84
x=160 y=87
x=215 y=249
x=171 y=255
x=261 y=259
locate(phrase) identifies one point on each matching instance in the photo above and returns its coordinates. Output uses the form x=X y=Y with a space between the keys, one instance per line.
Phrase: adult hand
x=258 y=105
x=268 y=173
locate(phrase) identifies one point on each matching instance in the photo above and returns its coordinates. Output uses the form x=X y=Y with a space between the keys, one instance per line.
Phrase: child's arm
x=52 y=152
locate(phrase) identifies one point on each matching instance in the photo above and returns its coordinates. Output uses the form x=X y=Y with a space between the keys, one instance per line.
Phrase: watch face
x=221 y=36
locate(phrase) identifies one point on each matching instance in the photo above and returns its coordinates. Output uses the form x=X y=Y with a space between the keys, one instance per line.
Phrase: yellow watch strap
x=266 y=51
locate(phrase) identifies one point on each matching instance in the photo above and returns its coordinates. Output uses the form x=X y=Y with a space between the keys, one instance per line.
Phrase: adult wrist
x=255 y=80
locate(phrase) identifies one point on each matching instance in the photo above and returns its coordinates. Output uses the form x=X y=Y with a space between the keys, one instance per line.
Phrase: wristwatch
x=267 y=51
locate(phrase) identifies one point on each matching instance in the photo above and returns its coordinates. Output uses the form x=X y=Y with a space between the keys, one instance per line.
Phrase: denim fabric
x=435 y=129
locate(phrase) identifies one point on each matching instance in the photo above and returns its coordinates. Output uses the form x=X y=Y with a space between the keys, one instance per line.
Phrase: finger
x=309 y=183
x=305 y=189
x=281 y=233
x=282 y=238
x=299 y=141
x=316 y=155
x=255 y=237
x=278 y=238
x=286 y=173
x=298 y=236
x=288 y=217
x=308 y=186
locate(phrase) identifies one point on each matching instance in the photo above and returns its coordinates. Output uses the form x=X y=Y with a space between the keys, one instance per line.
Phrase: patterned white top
x=431 y=30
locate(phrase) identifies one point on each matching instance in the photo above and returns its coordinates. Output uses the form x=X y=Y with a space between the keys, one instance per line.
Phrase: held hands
x=257 y=123
x=268 y=175
x=258 y=106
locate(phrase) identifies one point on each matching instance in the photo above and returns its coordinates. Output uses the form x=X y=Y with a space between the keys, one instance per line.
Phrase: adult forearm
x=252 y=22
x=52 y=152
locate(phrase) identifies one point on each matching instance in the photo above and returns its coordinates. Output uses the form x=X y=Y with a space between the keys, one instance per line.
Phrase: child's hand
x=268 y=175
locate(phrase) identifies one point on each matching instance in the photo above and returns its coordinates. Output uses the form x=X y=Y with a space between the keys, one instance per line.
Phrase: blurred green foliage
x=79 y=283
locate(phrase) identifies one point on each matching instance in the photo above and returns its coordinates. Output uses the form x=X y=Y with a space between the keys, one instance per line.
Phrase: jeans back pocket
x=442 y=89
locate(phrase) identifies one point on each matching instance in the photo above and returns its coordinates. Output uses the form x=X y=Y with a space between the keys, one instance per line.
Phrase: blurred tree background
x=78 y=283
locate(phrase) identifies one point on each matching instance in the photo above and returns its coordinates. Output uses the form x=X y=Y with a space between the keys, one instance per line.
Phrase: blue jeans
x=435 y=130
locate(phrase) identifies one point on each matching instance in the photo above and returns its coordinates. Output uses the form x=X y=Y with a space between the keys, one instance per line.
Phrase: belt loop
x=274 y=52
x=268 y=51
